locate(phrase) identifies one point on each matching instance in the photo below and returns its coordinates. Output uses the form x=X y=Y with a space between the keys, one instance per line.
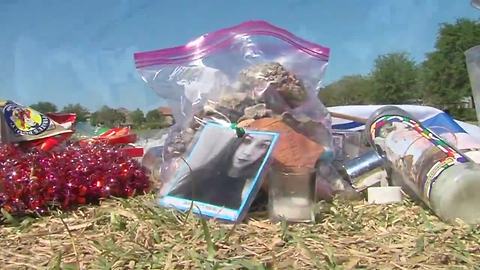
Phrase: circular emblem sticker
x=25 y=121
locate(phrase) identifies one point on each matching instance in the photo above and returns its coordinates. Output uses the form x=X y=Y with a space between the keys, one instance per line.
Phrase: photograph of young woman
x=225 y=179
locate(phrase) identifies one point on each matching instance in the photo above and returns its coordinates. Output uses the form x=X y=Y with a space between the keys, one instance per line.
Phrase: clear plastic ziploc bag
x=254 y=76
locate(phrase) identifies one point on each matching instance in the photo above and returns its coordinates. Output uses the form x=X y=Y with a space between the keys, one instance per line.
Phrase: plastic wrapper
x=239 y=75
x=32 y=129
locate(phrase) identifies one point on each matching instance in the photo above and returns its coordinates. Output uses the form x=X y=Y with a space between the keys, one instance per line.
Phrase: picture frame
x=221 y=175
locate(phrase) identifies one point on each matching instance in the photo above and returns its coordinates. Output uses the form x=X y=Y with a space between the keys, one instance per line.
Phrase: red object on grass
x=33 y=180
x=66 y=120
x=49 y=143
x=119 y=136
x=133 y=151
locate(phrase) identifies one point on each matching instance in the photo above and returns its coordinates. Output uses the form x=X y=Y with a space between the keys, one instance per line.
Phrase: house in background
x=166 y=112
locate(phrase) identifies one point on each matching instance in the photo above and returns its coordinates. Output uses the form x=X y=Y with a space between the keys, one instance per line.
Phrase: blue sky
x=82 y=51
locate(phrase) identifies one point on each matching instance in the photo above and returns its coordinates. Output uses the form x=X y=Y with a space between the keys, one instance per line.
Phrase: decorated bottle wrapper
x=21 y=124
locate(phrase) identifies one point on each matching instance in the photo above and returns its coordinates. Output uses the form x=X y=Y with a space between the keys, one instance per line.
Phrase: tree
x=44 y=107
x=394 y=79
x=94 y=119
x=349 y=90
x=108 y=117
x=444 y=76
x=137 y=117
x=81 y=112
x=154 y=119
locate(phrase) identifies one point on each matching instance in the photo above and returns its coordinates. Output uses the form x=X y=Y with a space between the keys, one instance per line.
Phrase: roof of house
x=165 y=110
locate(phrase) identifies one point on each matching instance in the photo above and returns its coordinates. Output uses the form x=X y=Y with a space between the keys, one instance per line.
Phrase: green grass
x=135 y=234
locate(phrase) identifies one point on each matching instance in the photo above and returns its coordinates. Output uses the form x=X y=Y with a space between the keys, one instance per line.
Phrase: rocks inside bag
x=240 y=75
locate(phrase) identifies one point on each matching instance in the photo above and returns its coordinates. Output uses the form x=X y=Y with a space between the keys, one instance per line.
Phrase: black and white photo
x=224 y=177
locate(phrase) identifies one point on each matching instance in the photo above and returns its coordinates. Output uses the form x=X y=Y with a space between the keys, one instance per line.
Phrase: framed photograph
x=222 y=174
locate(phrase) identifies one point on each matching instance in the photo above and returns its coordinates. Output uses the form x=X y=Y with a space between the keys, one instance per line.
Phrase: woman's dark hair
x=223 y=160
x=220 y=165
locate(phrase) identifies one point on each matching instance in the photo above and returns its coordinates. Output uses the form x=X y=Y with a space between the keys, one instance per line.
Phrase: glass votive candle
x=291 y=194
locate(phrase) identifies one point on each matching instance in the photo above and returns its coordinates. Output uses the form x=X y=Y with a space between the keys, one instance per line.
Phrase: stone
x=323 y=189
x=256 y=112
x=230 y=106
x=273 y=76
x=293 y=149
